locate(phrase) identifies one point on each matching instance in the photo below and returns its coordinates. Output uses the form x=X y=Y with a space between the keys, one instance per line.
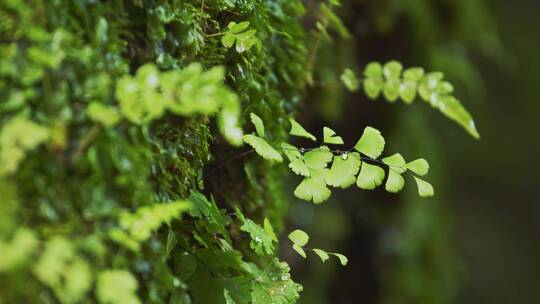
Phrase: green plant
x=395 y=83
x=107 y=134
x=322 y=167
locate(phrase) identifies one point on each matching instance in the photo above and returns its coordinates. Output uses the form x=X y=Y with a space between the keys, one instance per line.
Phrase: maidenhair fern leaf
x=313 y=189
x=418 y=166
x=395 y=162
x=299 y=237
x=330 y=137
x=431 y=87
x=323 y=255
x=318 y=158
x=298 y=130
x=349 y=79
x=394 y=182
x=425 y=189
x=299 y=167
x=453 y=109
x=342 y=259
x=299 y=250
x=371 y=143
x=373 y=82
x=370 y=176
x=344 y=169
x=258 y=123
x=262 y=148
x=291 y=151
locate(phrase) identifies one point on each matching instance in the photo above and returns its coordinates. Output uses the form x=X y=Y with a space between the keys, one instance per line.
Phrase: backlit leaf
x=395 y=162
x=300 y=250
x=394 y=182
x=298 y=130
x=299 y=237
x=349 y=79
x=258 y=123
x=419 y=166
x=392 y=69
x=313 y=189
x=371 y=143
x=344 y=169
x=425 y=189
x=299 y=167
x=262 y=148
x=323 y=255
x=342 y=259
x=318 y=158
x=370 y=176
x=330 y=137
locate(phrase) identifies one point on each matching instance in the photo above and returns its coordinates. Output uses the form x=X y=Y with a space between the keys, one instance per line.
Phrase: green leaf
x=323 y=255
x=395 y=182
x=261 y=241
x=228 y=118
x=452 y=108
x=373 y=70
x=330 y=137
x=318 y=158
x=371 y=143
x=373 y=87
x=413 y=74
x=269 y=229
x=407 y=91
x=227 y=296
x=300 y=250
x=313 y=189
x=258 y=123
x=228 y=39
x=299 y=237
x=391 y=89
x=117 y=286
x=335 y=21
x=298 y=130
x=419 y=166
x=425 y=189
x=395 y=162
x=370 y=176
x=103 y=114
x=291 y=151
x=344 y=169
x=444 y=88
x=299 y=167
x=245 y=41
x=19 y=250
x=349 y=79
x=392 y=70
x=342 y=259
x=139 y=226
x=262 y=148
x=235 y=28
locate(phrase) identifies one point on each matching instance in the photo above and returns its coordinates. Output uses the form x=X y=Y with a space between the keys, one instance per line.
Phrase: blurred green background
x=476 y=241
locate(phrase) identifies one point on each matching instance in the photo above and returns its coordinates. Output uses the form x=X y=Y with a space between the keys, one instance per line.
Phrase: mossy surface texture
x=78 y=194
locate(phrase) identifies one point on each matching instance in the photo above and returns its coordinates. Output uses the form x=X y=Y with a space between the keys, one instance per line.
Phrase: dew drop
x=344 y=156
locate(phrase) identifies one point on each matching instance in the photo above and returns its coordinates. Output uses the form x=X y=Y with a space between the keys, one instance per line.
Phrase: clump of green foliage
x=108 y=124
